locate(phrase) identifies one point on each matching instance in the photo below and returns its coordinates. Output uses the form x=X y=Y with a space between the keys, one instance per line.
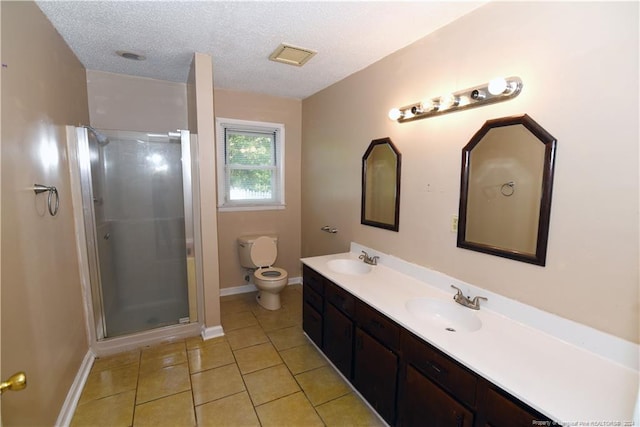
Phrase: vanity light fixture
x=497 y=90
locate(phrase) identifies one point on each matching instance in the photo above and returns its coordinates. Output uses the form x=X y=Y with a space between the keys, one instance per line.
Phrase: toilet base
x=268 y=300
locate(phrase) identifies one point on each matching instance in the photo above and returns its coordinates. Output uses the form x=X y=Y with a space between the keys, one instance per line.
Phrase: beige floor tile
x=109 y=382
x=258 y=310
x=216 y=383
x=291 y=295
x=170 y=411
x=237 y=320
x=270 y=384
x=232 y=411
x=198 y=342
x=116 y=361
x=256 y=357
x=158 y=360
x=210 y=356
x=111 y=411
x=302 y=358
x=277 y=319
x=348 y=410
x=246 y=337
x=237 y=303
x=162 y=350
x=283 y=339
x=163 y=382
x=322 y=385
x=294 y=410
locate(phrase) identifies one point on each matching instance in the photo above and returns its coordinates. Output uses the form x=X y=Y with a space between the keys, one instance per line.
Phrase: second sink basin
x=448 y=314
x=348 y=266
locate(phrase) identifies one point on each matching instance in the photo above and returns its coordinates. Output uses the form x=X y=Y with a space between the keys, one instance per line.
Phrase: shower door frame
x=86 y=241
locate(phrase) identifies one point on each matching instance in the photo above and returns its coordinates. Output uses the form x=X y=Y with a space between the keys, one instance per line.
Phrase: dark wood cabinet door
x=502 y=411
x=426 y=404
x=375 y=374
x=338 y=339
x=312 y=323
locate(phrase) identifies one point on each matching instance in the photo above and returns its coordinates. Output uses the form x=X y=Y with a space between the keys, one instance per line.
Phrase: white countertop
x=566 y=382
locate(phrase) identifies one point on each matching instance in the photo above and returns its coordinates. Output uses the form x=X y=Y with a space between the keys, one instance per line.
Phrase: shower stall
x=138 y=219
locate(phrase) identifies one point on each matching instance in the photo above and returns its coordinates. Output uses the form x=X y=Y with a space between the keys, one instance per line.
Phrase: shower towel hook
x=53 y=191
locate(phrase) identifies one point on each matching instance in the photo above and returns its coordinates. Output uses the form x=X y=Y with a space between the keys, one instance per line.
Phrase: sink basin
x=348 y=266
x=448 y=314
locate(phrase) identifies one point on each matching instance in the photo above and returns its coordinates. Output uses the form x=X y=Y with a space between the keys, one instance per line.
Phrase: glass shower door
x=137 y=189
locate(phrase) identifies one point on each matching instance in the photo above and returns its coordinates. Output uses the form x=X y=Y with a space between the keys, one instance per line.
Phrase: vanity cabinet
x=338 y=327
x=375 y=371
x=434 y=387
x=425 y=402
x=406 y=380
x=502 y=410
x=312 y=305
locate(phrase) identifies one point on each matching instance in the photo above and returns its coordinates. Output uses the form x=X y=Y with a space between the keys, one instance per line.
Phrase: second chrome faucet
x=473 y=304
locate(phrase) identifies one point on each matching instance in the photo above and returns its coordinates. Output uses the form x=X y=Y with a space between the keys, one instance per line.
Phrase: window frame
x=278 y=182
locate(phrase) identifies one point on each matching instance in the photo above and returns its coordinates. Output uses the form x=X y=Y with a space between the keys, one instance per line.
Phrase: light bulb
x=395 y=114
x=448 y=101
x=497 y=86
x=407 y=114
x=463 y=100
x=427 y=105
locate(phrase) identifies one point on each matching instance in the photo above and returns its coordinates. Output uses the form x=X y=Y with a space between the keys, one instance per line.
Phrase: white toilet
x=259 y=253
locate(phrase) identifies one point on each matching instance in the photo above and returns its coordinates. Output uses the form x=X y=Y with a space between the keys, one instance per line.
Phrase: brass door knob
x=16 y=382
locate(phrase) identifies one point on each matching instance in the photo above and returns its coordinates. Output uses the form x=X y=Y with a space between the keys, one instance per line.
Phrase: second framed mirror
x=505 y=190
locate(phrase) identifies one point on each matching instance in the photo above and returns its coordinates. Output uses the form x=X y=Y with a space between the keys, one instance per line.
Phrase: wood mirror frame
x=381 y=185
x=500 y=161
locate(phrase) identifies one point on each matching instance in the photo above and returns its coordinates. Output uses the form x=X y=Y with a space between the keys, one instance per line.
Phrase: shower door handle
x=107 y=236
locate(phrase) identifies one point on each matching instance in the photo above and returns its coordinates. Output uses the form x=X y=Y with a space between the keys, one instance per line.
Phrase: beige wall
x=43 y=325
x=118 y=101
x=285 y=223
x=133 y=103
x=579 y=64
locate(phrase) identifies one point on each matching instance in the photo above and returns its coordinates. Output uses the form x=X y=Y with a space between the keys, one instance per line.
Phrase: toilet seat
x=270 y=274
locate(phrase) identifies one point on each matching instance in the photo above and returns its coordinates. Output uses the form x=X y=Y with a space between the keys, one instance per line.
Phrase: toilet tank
x=244 y=248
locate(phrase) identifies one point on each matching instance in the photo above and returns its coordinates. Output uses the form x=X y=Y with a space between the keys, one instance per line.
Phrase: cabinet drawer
x=378 y=326
x=313 y=279
x=440 y=369
x=312 y=298
x=340 y=298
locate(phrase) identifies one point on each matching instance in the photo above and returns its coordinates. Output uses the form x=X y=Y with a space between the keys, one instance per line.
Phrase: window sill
x=250 y=208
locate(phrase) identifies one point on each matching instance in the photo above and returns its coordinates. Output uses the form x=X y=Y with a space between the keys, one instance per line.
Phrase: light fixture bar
x=497 y=90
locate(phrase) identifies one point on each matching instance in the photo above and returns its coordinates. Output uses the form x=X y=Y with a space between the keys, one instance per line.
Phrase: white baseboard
x=212 y=332
x=73 y=396
x=237 y=290
x=251 y=288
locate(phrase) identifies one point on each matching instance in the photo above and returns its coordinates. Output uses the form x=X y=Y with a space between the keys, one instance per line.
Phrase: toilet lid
x=264 y=252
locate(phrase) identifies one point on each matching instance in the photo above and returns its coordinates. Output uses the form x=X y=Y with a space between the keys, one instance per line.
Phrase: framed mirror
x=505 y=190
x=381 y=185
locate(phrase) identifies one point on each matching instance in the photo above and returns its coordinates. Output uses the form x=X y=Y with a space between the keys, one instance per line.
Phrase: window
x=250 y=165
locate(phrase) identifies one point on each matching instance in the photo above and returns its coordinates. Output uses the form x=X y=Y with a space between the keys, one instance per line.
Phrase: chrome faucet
x=369 y=260
x=473 y=304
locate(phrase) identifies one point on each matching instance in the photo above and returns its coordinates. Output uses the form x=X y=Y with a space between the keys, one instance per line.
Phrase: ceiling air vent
x=291 y=55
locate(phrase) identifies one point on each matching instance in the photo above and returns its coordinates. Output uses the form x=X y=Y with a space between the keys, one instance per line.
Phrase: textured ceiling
x=240 y=36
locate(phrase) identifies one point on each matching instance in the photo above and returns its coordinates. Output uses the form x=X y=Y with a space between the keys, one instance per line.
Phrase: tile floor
x=263 y=372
